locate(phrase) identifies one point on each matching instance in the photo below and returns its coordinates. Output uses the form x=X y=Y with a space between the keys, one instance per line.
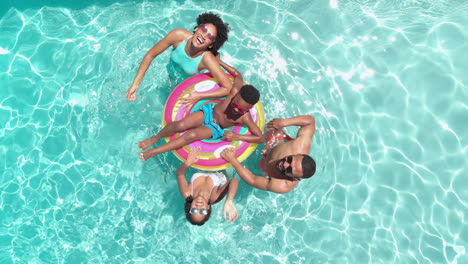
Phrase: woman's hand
x=189 y=100
x=230 y=211
x=131 y=93
x=193 y=157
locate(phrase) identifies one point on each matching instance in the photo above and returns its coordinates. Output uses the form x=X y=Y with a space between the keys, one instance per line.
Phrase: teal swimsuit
x=181 y=66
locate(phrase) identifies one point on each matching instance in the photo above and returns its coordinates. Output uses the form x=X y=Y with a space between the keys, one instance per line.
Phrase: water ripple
x=387 y=88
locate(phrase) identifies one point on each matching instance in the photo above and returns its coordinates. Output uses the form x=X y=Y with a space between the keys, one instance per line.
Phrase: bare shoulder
x=209 y=56
x=301 y=145
x=178 y=35
x=180 y=32
x=246 y=119
x=208 y=60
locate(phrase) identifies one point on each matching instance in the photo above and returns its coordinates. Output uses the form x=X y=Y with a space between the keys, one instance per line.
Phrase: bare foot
x=143 y=157
x=147 y=143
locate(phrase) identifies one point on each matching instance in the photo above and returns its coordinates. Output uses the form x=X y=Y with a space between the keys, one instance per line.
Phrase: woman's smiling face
x=204 y=36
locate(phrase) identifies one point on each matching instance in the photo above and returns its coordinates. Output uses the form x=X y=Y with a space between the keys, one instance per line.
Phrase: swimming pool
x=386 y=81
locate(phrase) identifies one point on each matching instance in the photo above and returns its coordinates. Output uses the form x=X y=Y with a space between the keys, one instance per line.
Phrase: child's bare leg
x=188 y=137
x=191 y=121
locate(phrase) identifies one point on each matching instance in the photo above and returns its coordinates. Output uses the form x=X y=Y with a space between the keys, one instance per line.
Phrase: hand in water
x=230 y=211
x=131 y=94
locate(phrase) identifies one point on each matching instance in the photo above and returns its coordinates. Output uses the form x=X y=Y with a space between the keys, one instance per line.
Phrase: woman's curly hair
x=221 y=28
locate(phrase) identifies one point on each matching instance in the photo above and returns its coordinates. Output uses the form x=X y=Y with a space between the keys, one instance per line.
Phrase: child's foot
x=144 y=156
x=146 y=143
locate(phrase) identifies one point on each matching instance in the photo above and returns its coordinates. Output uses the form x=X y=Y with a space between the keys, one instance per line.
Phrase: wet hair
x=308 y=166
x=222 y=29
x=250 y=94
x=188 y=205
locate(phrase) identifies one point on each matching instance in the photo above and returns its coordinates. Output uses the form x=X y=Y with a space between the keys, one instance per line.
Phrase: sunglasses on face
x=196 y=211
x=288 y=170
x=237 y=108
x=207 y=33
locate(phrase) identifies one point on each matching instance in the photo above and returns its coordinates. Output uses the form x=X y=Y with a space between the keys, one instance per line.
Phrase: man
x=211 y=120
x=285 y=160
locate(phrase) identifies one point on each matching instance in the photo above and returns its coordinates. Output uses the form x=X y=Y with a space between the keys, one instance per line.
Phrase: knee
x=179 y=126
x=191 y=136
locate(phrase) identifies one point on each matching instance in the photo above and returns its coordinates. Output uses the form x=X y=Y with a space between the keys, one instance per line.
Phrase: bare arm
x=171 y=38
x=230 y=187
x=183 y=184
x=213 y=64
x=238 y=79
x=256 y=135
x=245 y=174
x=226 y=87
x=259 y=182
x=304 y=135
x=229 y=209
x=184 y=187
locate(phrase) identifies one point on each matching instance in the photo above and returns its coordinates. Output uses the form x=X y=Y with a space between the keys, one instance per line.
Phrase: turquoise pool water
x=386 y=81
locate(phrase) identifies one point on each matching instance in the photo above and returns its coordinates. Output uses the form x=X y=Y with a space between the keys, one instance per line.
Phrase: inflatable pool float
x=175 y=110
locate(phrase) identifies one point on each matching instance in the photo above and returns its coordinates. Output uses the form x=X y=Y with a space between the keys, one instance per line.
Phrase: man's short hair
x=250 y=94
x=222 y=29
x=308 y=166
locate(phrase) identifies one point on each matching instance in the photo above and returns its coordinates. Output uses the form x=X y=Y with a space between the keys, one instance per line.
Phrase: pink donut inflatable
x=209 y=160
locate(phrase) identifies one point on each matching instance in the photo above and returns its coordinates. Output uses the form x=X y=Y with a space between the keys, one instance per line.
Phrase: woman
x=204 y=190
x=190 y=55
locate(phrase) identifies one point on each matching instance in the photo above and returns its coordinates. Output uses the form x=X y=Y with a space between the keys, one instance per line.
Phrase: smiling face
x=204 y=36
x=290 y=166
x=199 y=209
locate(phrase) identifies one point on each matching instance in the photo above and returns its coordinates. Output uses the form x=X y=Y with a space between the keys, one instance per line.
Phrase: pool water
x=385 y=80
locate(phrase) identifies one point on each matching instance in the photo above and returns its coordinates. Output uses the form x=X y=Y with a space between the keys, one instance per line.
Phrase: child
x=211 y=120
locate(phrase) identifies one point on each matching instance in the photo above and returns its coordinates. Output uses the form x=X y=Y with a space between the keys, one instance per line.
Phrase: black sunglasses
x=288 y=170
